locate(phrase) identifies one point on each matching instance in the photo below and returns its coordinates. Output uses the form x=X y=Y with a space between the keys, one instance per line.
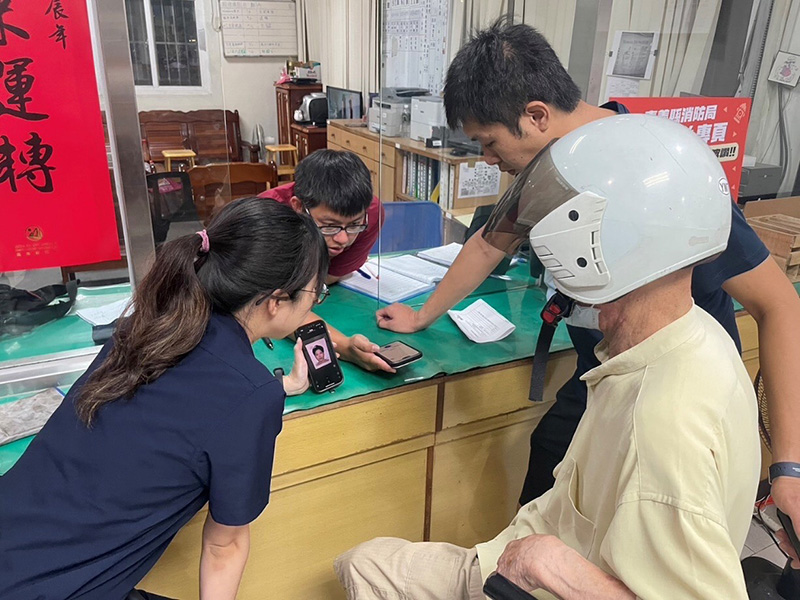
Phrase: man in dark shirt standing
x=509 y=91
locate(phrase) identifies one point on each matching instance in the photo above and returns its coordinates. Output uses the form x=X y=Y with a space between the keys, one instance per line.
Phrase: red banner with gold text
x=55 y=189
x=720 y=122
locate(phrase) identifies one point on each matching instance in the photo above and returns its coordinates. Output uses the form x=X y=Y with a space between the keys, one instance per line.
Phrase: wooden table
x=182 y=153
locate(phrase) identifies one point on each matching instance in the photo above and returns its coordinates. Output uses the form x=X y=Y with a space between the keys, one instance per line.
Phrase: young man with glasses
x=335 y=189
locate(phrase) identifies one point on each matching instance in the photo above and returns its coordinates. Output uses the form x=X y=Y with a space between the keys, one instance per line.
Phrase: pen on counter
x=268 y=343
x=368 y=270
x=364 y=274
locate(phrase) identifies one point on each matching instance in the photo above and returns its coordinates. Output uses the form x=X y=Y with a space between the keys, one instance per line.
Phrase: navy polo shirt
x=85 y=513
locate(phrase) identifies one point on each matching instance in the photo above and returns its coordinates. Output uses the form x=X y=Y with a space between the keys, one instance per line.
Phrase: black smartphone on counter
x=398 y=354
x=324 y=371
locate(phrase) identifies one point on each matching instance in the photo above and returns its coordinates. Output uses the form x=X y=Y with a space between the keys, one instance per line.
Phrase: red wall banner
x=55 y=190
x=721 y=122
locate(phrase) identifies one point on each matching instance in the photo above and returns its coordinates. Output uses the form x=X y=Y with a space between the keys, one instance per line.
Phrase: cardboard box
x=779 y=206
x=777 y=223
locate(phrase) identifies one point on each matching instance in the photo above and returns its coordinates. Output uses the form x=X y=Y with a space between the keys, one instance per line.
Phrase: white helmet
x=616 y=204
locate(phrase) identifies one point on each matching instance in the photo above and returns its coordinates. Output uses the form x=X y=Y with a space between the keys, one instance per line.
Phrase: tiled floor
x=759 y=543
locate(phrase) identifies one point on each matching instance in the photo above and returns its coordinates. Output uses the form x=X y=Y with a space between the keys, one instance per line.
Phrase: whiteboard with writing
x=258 y=28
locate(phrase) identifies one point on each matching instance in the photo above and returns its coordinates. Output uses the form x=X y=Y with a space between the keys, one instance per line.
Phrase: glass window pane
x=137 y=33
x=175 y=28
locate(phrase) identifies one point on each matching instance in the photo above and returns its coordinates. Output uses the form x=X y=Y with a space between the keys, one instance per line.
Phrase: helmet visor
x=536 y=191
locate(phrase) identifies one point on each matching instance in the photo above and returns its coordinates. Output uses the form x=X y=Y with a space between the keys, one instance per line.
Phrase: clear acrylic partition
x=431 y=179
x=202 y=78
x=729 y=70
x=52 y=350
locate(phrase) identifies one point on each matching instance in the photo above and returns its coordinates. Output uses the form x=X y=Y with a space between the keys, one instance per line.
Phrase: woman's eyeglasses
x=321 y=295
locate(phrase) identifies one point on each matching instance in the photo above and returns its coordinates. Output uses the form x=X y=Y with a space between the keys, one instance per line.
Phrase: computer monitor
x=343 y=104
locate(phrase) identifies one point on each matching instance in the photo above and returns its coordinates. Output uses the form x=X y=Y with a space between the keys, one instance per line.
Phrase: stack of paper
x=387 y=287
x=444 y=255
x=481 y=323
x=399 y=278
x=103 y=315
x=416 y=268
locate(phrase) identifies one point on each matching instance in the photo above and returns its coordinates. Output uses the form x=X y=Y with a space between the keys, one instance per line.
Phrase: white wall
x=243 y=84
x=762 y=137
x=687 y=30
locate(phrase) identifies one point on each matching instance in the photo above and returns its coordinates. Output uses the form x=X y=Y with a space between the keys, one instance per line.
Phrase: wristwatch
x=783 y=469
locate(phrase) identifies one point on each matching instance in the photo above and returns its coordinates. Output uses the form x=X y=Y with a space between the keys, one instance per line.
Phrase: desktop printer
x=427 y=118
x=313 y=109
x=390 y=113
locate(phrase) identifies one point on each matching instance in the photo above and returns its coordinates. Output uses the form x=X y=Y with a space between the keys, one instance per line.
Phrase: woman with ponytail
x=175 y=412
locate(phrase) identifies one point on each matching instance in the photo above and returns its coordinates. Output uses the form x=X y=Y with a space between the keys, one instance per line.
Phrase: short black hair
x=500 y=70
x=336 y=179
x=315 y=348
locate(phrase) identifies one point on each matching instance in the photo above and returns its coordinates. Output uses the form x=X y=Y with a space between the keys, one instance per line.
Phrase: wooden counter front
x=442 y=460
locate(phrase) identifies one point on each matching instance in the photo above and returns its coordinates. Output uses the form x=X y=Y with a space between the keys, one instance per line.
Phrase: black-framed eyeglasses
x=331 y=230
x=321 y=295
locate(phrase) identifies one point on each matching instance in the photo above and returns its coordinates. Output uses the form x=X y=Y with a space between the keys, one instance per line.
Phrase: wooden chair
x=276 y=154
x=212 y=134
x=215 y=185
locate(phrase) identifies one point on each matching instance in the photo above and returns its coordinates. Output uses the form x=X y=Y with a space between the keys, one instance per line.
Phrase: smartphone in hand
x=398 y=354
x=324 y=371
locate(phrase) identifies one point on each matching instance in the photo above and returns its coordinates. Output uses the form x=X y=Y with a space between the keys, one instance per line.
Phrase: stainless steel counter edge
x=32 y=374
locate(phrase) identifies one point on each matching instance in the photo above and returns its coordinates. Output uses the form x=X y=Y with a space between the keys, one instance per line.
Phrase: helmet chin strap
x=558 y=307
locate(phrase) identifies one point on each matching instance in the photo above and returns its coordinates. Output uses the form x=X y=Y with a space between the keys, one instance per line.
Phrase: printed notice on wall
x=621 y=87
x=634 y=54
x=415 y=43
x=257 y=28
x=477 y=181
x=55 y=189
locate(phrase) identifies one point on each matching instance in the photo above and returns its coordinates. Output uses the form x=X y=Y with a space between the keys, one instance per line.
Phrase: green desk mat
x=68 y=333
x=445 y=349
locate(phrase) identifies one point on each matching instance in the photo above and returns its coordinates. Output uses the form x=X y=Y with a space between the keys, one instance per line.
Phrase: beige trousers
x=395 y=569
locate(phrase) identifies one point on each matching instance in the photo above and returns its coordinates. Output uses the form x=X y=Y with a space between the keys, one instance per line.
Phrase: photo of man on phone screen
x=319 y=353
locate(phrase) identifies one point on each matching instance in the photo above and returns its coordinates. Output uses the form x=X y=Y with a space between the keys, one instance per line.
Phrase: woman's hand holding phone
x=296 y=382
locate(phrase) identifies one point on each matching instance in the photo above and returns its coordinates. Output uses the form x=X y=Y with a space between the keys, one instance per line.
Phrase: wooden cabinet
x=289 y=96
x=438 y=460
x=308 y=139
x=377 y=154
x=748 y=333
x=342 y=476
x=481 y=452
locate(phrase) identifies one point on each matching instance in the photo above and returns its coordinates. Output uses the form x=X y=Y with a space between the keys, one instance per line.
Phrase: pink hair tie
x=206 y=245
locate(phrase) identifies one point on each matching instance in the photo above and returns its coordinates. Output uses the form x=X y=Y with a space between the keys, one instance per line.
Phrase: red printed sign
x=721 y=122
x=55 y=190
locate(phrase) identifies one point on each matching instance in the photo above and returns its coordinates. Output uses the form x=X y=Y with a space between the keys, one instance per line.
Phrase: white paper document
x=414 y=267
x=481 y=180
x=103 y=315
x=481 y=323
x=387 y=287
x=621 y=87
x=444 y=255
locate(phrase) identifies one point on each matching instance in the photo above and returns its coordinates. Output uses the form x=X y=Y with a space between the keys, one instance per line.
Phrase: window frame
x=155 y=89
